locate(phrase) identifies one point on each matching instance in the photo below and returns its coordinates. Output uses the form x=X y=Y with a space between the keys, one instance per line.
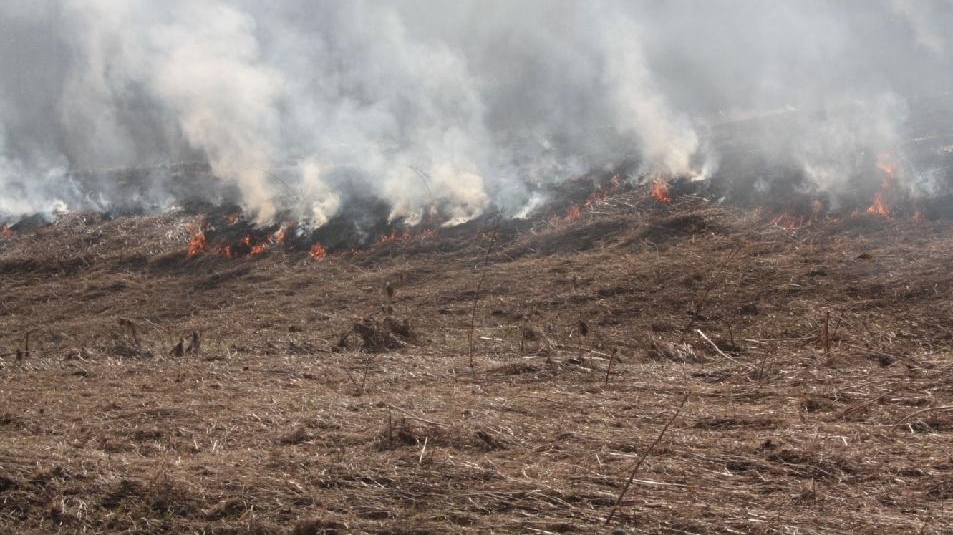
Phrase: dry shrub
x=378 y=336
x=674 y=352
x=297 y=436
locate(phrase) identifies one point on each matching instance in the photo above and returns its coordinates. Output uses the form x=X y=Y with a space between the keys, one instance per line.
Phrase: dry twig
x=719 y=351
x=642 y=458
x=921 y=411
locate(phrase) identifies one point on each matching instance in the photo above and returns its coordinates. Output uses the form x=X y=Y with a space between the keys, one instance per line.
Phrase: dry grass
x=275 y=427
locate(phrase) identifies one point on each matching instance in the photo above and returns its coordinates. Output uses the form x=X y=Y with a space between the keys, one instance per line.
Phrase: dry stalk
x=361 y=387
x=423 y=450
x=609 y=367
x=133 y=331
x=764 y=361
x=194 y=344
x=700 y=303
x=719 y=351
x=476 y=296
x=414 y=417
x=642 y=458
x=943 y=408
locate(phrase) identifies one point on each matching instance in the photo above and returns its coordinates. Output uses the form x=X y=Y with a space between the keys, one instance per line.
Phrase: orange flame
x=394 y=235
x=886 y=164
x=6 y=231
x=572 y=214
x=259 y=249
x=246 y=240
x=879 y=207
x=197 y=244
x=226 y=251
x=318 y=252
x=660 y=191
x=281 y=234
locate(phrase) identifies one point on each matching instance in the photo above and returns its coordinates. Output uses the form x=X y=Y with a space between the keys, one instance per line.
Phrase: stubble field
x=338 y=395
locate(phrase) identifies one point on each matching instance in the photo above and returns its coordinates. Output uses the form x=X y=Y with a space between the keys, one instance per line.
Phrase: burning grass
x=815 y=360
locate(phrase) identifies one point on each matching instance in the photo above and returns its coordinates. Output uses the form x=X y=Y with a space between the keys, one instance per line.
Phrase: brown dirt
x=318 y=403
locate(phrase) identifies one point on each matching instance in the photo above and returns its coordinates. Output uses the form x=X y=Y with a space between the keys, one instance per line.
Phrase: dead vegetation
x=338 y=396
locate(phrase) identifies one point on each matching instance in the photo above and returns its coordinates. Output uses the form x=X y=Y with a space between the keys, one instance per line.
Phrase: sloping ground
x=337 y=395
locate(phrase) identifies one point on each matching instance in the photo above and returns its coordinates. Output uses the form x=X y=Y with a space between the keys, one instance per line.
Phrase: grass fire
x=476 y=267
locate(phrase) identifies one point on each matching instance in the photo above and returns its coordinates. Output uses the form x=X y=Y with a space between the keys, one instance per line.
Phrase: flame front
x=572 y=214
x=318 y=252
x=281 y=234
x=395 y=235
x=197 y=244
x=879 y=207
x=660 y=191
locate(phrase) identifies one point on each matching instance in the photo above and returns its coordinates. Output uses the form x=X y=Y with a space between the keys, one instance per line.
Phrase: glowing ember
x=318 y=252
x=6 y=231
x=572 y=214
x=790 y=222
x=197 y=244
x=604 y=191
x=387 y=238
x=259 y=249
x=660 y=191
x=395 y=235
x=615 y=183
x=879 y=207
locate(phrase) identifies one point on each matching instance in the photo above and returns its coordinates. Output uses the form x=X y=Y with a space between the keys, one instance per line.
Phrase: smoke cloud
x=449 y=108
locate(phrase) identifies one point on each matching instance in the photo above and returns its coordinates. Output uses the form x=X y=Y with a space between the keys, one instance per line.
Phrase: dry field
x=814 y=365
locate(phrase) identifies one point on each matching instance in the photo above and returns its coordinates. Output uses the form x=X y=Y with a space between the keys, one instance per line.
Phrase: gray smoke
x=452 y=106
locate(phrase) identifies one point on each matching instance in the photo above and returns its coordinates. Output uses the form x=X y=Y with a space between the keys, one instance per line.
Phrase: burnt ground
x=320 y=401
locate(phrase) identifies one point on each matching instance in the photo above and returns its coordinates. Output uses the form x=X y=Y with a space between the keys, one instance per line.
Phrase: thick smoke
x=448 y=108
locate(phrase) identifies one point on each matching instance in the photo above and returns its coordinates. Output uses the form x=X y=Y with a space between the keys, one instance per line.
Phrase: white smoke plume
x=450 y=107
